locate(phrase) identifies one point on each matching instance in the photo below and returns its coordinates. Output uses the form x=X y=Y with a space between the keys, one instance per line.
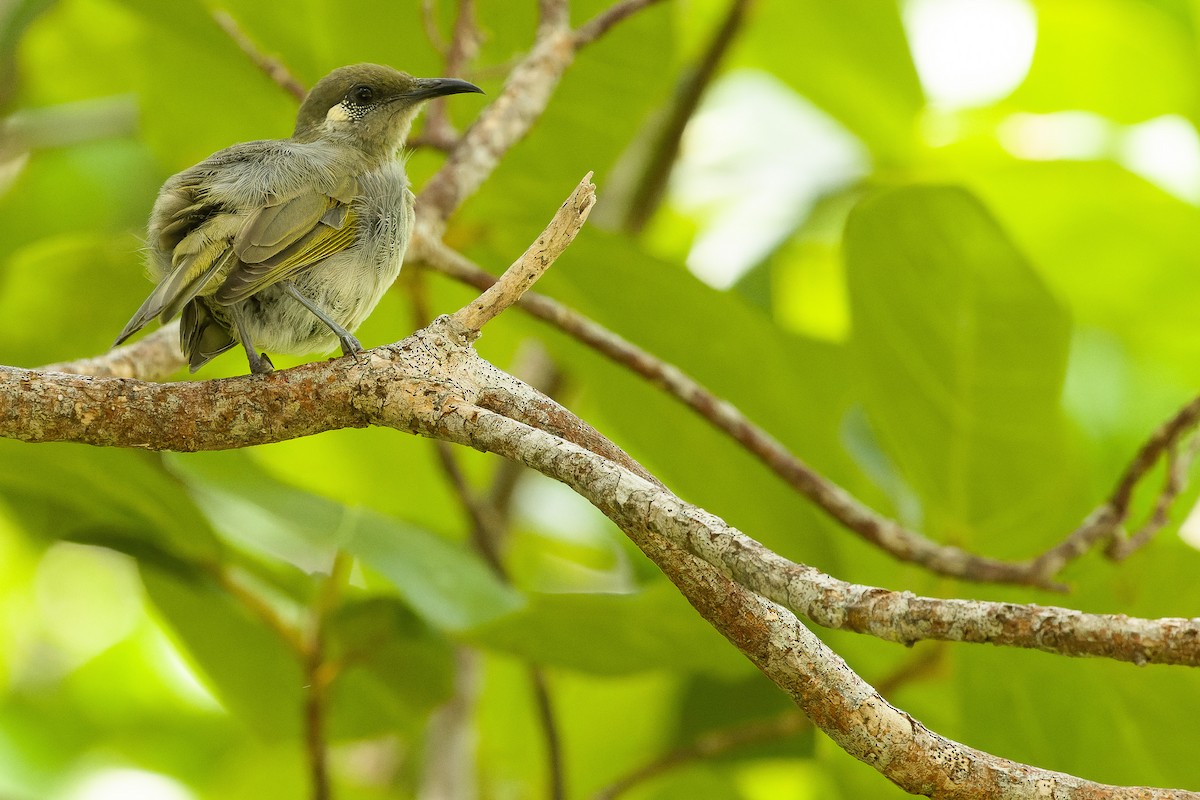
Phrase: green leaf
x=395 y=669
x=651 y=629
x=850 y=58
x=117 y=498
x=449 y=588
x=962 y=353
x=1139 y=61
x=247 y=665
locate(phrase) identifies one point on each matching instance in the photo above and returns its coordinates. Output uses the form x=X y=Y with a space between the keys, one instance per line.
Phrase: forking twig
x=534 y=262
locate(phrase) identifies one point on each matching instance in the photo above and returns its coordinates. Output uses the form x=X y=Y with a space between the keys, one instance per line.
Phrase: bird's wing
x=281 y=240
x=195 y=234
x=224 y=252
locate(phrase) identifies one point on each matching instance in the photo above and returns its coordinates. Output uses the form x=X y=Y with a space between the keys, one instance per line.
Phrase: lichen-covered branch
x=837 y=700
x=432 y=384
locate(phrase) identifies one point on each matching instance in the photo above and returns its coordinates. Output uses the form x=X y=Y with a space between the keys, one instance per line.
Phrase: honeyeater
x=286 y=245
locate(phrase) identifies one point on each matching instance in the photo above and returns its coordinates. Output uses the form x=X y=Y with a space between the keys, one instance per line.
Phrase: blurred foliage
x=972 y=338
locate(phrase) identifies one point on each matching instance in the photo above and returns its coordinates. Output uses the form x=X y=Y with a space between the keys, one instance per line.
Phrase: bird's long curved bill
x=427 y=88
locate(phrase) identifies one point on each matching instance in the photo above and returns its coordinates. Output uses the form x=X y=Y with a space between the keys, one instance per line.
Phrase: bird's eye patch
x=361 y=95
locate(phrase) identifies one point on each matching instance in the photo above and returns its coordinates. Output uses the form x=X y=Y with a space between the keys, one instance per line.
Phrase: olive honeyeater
x=287 y=245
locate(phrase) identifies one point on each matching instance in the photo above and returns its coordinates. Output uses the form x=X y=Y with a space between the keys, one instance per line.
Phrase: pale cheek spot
x=337 y=114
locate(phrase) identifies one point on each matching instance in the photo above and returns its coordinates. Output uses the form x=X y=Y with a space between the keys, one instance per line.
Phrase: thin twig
x=600 y=24
x=319 y=675
x=664 y=150
x=271 y=67
x=534 y=262
x=257 y=607
x=556 y=778
x=464 y=46
x=1105 y=523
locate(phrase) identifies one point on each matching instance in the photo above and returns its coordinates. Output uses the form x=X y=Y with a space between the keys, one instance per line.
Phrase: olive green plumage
x=288 y=244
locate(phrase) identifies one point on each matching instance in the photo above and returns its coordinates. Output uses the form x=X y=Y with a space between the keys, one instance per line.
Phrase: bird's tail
x=201 y=335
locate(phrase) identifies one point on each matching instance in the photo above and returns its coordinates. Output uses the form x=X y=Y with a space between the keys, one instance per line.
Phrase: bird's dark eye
x=362 y=95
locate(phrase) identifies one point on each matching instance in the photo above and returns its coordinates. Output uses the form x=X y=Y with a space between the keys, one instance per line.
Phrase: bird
x=287 y=245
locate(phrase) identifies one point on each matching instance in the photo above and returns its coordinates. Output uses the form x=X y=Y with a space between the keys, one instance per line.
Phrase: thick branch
x=429 y=383
x=831 y=694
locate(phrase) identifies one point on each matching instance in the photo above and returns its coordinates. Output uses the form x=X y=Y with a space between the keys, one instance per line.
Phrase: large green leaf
x=1139 y=61
x=449 y=588
x=962 y=353
x=1113 y=246
x=246 y=665
x=118 y=498
x=652 y=629
x=850 y=58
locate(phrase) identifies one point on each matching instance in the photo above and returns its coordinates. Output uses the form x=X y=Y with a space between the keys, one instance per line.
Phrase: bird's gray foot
x=260 y=363
x=350 y=345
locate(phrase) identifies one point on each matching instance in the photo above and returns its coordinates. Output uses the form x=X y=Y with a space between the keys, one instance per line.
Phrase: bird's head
x=369 y=105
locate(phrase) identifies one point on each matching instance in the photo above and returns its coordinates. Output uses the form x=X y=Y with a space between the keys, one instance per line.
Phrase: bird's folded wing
x=282 y=240
x=229 y=255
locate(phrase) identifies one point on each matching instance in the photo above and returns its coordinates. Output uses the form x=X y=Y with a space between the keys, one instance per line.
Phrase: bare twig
x=534 y=262
x=271 y=67
x=319 y=674
x=553 y=16
x=556 y=779
x=600 y=24
x=664 y=150
x=486 y=529
x=257 y=607
x=429 y=21
x=708 y=746
x=1104 y=525
x=463 y=47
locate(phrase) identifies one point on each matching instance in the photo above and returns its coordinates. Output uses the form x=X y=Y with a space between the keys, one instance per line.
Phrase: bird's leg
x=350 y=345
x=260 y=363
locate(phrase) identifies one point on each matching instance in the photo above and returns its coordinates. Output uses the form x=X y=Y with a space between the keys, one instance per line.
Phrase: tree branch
x=430 y=384
x=600 y=24
x=271 y=67
x=534 y=262
x=664 y=150
x=856 y=717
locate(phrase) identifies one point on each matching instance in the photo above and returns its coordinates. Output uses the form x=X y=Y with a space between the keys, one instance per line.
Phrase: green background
x=972 y=341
